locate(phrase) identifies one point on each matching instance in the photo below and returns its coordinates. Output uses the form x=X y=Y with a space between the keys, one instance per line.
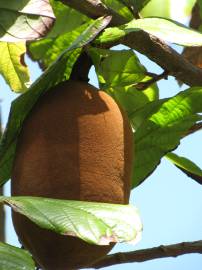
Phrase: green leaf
x=199 y=2
x=168 y=30
x=15 y=258
x=118 y=72
x=67 y=19
x=111 y=34
x=170 y=10
x=162 y=28
x=163 y=130
x=131 y=99
x=138 y=115
x=47 y=50
x=25 y=19
x=136 y=5
x=117 y=68
x=60 y=70
x=96 y=223
x=12 y=66
x=120 y=8
x=186 y=166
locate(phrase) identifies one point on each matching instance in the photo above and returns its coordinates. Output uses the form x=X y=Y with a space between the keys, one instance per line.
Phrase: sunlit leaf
x=162 y=131
x=60 y=70
x=97 y=223
x=67 y=19
x=15 y=258
x=186 y=166
x=47 y=50
x=118 y=72
x=117 y=68
x=140 y=114
x=175 y=10
x=162 y=28
x=13 y=67
x=25 y=20
x=120 y=8
x=168 y=30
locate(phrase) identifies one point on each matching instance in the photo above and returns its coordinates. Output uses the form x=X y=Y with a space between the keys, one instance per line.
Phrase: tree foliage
x=57 y=34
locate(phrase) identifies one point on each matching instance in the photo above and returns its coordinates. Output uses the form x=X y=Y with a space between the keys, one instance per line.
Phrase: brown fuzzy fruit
x=75 y=144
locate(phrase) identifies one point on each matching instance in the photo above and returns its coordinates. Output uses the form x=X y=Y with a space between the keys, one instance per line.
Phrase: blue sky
x=169 y=202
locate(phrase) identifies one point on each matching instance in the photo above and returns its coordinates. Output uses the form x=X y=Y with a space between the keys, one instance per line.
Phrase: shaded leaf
x=199 y=2
x=25 y=20
x=136 y=5
x=13 y=67
x=186 y=166
x=162 y=28
x=163 y=130
x=15 y=258
x=59 y=71
x=96 y=223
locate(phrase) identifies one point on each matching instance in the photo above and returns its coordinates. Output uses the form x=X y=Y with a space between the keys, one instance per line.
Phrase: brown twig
x=152 y=47
x=81 y=68
x=196 y=127
x=155 y=78
x=150 y=254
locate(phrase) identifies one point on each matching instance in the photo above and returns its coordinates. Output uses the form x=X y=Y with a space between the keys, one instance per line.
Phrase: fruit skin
x=76 y=144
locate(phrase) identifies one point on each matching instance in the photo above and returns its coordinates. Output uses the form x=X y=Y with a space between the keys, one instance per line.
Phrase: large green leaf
x=164 y=29
x=138 y=115
x=117 y=68
x=58 y=71
x=25 y=19
x=176 y=10
x=15 y=258
x=186 y=166
x=67 y=19
x=46 y=51
x=13 y=67
x=163 y=130
x=118 y=73
x=131 y=99
x=96 y=223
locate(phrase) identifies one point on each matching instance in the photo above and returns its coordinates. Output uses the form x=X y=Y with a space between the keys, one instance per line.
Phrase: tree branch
x=150 y=254
x=95 y=9
x=196 y=127
x=155 y=78
x=155 y=49
x=167 y=58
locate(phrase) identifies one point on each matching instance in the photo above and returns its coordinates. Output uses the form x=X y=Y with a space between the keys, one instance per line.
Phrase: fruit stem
x=81 y=68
